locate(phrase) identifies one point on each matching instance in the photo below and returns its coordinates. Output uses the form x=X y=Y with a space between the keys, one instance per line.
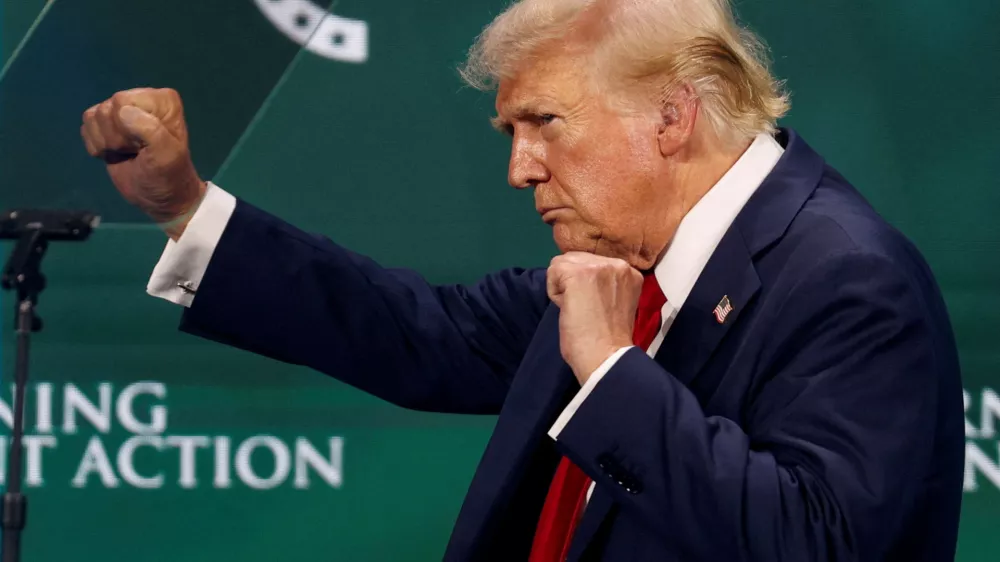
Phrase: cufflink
x=187 y=287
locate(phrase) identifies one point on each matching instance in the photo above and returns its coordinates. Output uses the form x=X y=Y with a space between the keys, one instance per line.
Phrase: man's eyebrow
x=521 y=113
x=500 y=124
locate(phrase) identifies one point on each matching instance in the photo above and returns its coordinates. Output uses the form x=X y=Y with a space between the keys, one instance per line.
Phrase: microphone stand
x=32 y=230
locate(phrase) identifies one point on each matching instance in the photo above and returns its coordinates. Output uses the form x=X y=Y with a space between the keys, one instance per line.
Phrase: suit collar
x=768 y=213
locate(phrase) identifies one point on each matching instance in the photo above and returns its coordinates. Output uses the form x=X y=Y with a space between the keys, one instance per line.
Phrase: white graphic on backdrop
x=982 y=440
x=334 y=37
x=104 y=433
x=66 y=421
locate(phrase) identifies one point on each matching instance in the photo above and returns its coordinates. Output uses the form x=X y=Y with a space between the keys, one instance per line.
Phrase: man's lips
x=549 y=214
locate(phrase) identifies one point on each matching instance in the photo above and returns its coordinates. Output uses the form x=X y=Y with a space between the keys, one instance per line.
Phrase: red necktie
x=568 y=491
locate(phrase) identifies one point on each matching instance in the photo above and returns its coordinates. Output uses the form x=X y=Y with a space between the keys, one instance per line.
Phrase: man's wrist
x=586 y=367
x=175 y=226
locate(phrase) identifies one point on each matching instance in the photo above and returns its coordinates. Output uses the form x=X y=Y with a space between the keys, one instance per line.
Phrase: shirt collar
x=706 y=223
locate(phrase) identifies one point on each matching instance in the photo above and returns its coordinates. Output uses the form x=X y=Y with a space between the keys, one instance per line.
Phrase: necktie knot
x=651 y=296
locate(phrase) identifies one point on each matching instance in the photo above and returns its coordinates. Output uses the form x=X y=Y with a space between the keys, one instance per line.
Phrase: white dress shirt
x=183 y=263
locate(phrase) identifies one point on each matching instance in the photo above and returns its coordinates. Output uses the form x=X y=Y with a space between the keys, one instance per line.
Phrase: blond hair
x=658 y=45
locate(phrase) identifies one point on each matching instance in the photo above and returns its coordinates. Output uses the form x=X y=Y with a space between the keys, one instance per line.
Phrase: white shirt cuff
x=585 y=391
x=184 y=262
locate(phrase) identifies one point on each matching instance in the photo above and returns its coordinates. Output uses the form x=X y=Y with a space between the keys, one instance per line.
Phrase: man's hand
x=142 y=138
x=597 y=298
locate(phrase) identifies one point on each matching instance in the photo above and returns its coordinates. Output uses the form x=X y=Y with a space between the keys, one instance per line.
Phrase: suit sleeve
x=299 y=298
x=825 y=461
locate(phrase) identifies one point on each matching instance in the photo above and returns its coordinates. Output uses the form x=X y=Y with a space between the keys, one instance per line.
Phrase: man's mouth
x=550 y=214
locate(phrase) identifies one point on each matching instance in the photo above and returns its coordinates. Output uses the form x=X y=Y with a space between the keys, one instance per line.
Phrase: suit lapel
x=730 y=282
x=542 y=388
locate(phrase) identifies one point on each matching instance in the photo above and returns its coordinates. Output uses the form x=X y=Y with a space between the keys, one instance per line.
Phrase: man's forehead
x=551 y=79
x=513 y=102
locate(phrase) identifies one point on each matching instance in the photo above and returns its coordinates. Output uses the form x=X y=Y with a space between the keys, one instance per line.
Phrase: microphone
x=51 y=224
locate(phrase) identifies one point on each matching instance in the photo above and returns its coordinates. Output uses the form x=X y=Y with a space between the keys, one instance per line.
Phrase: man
x=734 y=357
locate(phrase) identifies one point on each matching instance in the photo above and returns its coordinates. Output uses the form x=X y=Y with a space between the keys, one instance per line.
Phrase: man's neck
x=697 y=172
x=705 y=169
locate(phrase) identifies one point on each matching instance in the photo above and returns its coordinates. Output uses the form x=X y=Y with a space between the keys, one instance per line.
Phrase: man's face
x=596 y=171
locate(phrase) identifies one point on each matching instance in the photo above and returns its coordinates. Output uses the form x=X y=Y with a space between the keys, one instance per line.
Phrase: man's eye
x=547 y=118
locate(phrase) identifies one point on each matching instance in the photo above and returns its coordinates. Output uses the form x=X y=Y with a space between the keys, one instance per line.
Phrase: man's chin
x=600 y=247
x=568 y=241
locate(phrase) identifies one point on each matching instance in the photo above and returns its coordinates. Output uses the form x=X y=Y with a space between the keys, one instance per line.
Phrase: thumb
x=554 y=286
x=141 y=126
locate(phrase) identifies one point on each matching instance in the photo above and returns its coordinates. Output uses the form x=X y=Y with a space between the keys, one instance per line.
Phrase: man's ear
x=678 y=114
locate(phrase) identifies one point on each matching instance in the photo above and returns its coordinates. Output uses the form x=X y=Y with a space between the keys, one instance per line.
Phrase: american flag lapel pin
x=723 y=309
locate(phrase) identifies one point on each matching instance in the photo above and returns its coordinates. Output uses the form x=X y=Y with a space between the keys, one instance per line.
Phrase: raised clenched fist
x=142 y=138
x=597 y=298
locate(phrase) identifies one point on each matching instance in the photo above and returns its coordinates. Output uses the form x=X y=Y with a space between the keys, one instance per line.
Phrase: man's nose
x=527 y=164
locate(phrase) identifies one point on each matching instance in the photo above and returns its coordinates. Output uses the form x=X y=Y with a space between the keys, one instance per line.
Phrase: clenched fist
x=142 y=138
x=597 y=298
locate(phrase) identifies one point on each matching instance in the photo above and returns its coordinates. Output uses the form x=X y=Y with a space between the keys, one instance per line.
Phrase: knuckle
x=635 y=276
x=171 y=95
x=134 y=96
x=86 y=140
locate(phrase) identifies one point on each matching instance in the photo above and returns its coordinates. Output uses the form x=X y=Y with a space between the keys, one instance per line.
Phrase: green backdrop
x=152 y=445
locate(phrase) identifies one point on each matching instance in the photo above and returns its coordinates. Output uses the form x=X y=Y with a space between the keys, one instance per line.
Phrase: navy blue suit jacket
x=822 y=421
